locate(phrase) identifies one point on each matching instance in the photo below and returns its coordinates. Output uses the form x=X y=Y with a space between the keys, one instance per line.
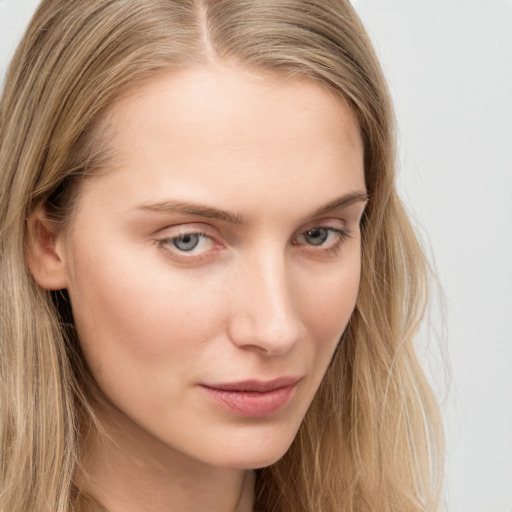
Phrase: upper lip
x=259 y=386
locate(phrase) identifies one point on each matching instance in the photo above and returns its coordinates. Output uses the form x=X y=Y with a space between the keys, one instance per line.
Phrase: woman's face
x=214 y=266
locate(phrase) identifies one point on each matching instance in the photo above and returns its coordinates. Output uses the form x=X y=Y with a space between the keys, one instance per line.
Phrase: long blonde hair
x=371 y=440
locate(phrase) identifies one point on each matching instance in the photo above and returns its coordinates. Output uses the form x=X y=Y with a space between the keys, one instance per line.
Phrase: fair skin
x=211 y=270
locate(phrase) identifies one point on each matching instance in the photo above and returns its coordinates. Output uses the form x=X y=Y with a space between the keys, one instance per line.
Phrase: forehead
x=217 y=128
x=235 y=103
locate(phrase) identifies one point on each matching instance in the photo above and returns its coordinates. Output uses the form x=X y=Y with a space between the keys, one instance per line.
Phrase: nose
x=265 y=313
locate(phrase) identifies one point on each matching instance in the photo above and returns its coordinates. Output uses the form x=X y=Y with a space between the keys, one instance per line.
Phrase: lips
x=253 y=398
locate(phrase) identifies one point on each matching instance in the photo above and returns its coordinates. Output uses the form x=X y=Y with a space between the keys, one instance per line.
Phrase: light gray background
x=449 y=64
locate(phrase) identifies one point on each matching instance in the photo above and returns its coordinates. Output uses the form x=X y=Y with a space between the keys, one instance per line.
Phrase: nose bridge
x=266 y=315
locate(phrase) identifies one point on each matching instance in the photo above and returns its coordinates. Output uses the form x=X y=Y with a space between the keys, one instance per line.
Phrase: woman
x=210 y=288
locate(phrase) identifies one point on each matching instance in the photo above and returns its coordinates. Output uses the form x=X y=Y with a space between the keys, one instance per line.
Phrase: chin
x=253 y=461
x=257 y=450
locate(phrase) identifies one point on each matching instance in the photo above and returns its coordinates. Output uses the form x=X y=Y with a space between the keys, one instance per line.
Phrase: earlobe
x=45 y=258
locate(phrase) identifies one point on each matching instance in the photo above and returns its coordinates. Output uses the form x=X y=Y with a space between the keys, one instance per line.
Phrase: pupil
x=317 y=236
x=186 y=242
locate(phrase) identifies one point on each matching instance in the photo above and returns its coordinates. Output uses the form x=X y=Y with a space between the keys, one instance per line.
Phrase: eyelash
x=167 y=244
x=342 y=235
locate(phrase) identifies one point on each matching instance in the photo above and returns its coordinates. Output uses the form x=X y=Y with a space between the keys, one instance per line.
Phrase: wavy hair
x=371 y=440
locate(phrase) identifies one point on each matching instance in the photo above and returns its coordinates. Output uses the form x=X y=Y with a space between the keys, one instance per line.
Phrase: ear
x=45 y=251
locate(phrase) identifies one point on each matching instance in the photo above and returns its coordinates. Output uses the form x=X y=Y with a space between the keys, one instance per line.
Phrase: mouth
x=253 y=398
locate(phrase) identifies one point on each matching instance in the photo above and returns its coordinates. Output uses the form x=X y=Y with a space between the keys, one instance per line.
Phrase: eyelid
x=336 y=228
x=165 y=242
x=343 y=231
x=180 y=228
x=334 y=223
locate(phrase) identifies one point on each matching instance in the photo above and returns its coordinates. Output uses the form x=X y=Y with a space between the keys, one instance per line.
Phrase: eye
x=316 y=236
x=187 y=242
x=326 y=238
x=185 y=245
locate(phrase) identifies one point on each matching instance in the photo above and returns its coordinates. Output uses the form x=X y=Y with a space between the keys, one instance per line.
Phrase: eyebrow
x=342 y=202
x=235 y=218
x=193 y=209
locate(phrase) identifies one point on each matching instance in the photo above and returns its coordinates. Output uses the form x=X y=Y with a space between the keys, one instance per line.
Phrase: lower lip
x=252 y=404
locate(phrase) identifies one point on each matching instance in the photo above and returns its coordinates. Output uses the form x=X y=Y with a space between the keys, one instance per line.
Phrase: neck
x=127 y=470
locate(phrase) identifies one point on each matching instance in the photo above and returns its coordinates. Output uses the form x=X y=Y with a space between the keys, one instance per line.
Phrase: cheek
x=331 y=300
x=326 y=311
x=137 y=317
